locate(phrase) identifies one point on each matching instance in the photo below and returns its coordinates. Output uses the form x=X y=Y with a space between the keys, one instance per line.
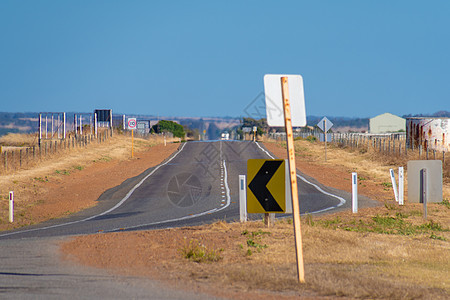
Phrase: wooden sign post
x=325 y=137
x=325 y=125
x=293 y=178
x=132 y=124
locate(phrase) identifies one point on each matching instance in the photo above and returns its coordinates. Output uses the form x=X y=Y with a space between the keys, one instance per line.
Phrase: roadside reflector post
x=354 y=192
x=424 y=191
x=11 y=207
x=401 y=186
x=242 y=198
x=394 y=184
x=293 y=178
x=95 y=125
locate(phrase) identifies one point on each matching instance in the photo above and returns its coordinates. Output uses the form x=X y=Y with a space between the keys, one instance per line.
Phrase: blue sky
x=208 y=58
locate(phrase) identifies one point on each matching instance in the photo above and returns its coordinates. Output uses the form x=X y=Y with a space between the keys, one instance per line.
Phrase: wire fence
x=389 y=145
x=16 y=158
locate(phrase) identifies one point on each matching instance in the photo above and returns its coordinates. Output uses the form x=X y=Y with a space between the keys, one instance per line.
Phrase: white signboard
x=274 y=101
x=325 y=124
x=132 y=123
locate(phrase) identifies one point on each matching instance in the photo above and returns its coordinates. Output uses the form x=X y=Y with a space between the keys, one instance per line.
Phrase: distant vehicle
x=225 y=136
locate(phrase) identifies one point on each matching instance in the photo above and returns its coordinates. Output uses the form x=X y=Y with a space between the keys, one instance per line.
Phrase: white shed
x=386 y=123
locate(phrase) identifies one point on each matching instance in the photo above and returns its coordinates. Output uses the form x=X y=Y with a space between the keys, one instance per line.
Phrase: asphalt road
x=198 y=184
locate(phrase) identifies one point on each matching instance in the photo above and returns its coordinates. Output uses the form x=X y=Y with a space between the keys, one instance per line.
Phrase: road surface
x=198 y=184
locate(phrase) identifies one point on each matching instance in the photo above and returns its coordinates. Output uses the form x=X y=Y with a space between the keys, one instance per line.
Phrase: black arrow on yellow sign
x=258 y=186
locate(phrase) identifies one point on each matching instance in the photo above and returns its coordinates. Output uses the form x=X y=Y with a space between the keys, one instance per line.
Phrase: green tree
x=261 y=125
x=169 y=126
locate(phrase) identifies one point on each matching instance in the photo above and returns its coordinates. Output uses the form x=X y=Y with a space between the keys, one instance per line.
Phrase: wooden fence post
x=13 y=161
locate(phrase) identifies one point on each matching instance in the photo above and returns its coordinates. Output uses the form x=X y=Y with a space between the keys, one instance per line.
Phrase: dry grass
x=387 y=252
x=369 y=165
x=31 y=183
x=259 y=262
x=19 y=139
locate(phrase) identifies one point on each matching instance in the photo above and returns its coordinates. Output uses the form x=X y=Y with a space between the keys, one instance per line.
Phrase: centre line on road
x=214 y=210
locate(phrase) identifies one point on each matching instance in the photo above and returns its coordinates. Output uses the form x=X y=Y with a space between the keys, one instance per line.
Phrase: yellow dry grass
x=19 y=139
x=27 y=182
x=366 y=163
x=259 y=262
x=117 y=147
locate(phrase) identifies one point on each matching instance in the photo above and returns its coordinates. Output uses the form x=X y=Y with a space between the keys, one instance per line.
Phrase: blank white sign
x=274 y=101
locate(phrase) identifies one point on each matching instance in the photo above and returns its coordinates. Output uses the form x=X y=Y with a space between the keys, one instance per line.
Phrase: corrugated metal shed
x=386 y=123
x=431 y=133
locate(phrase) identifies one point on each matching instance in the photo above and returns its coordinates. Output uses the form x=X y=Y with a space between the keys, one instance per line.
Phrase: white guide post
x=40 y=128
x=95 y=124
x=242 y=198
x=58 y=126
x=11 y=207
x=394 y=184
x=81 y=127
x=354 y=192
x=64 y=125
x=401 y=186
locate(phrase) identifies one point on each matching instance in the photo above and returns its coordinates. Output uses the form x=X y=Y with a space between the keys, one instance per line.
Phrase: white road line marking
x=341 y=200
x=214 y=210
x=128 y=195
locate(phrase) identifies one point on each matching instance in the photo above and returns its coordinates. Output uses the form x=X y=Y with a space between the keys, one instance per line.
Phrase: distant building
x=430 y=133
x=386 y=123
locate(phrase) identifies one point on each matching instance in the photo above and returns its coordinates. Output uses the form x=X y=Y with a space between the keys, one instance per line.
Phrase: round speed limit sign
x=132 y=123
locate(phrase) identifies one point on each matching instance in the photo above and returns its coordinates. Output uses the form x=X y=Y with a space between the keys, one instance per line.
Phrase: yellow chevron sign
x=266 y=189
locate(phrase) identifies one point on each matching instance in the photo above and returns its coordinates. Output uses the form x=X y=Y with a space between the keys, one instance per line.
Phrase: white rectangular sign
x=132 y=123
x=274 y=101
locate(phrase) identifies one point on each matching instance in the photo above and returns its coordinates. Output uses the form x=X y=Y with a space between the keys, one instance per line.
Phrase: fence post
x=6 y=161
